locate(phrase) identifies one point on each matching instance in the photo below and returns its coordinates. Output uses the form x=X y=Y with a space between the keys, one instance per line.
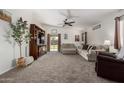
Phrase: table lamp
x=107 y=43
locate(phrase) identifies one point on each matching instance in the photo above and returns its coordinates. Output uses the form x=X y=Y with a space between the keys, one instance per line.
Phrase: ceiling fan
x=69 y=21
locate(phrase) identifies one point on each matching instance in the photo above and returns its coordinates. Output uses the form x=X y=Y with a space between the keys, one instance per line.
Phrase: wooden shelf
x=36 y=48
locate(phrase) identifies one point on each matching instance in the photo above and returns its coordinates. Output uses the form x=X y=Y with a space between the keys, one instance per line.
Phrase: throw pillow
x=94 y=47
x=89 y=48
x=89 y=51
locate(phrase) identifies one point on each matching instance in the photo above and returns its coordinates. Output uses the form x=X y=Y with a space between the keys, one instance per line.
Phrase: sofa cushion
x=68 y=45
x=68 y=48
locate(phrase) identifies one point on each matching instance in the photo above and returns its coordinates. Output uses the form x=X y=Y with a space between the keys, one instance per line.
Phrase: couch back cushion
x=68 y=45
x=107 y=54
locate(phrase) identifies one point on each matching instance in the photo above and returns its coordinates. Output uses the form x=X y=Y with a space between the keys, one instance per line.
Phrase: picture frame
x=5 y=15
x=65 y=36
x=77 y=38
x=84 y=37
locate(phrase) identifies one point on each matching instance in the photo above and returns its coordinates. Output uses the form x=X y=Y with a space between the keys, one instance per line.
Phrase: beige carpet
x=55 y=67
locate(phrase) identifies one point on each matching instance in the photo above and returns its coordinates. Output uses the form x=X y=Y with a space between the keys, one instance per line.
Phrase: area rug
x=55 y=67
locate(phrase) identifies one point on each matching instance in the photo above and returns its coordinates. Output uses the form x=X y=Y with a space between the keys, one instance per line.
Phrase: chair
x=108 y=66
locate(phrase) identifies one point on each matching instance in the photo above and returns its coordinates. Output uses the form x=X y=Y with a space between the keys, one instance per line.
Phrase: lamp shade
x=107 y=42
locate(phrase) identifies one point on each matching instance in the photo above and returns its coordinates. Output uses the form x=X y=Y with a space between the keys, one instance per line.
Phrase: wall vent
x=97 y=27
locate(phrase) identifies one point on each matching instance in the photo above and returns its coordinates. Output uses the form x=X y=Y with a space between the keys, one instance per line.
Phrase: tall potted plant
x=21 y=35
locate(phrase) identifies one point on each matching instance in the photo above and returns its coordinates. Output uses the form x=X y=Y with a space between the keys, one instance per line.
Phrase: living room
x=96 y=67
x=92 y=28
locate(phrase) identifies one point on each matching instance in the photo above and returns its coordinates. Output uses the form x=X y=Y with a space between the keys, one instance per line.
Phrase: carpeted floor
x=55 y=67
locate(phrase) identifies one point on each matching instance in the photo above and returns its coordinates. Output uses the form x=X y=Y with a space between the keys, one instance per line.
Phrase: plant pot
x=21 y=62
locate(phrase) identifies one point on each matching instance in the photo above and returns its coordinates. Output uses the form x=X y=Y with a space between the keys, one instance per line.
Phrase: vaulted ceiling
x=84 y=17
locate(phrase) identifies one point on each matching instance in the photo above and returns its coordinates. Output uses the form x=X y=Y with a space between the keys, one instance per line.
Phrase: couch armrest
x=103 y=58
x=110 y=68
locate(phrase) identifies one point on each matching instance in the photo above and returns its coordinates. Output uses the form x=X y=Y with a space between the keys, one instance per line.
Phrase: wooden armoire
x=37 y=42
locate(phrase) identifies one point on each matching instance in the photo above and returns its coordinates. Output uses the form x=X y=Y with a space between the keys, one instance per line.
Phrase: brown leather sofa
x=108 y=66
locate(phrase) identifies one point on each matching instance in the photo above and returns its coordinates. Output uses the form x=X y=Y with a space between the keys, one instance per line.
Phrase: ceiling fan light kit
x=68 y=20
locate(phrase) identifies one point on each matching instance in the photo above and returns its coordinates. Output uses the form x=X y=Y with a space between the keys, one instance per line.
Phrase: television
x=41 y=38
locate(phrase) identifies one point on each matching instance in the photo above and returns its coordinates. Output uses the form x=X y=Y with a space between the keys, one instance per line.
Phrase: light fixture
x=107 y=43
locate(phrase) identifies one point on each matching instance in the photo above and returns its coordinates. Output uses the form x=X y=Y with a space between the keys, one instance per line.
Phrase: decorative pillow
x=89 y=51
x=89 y=48
x=94 y=47
x=120 y=55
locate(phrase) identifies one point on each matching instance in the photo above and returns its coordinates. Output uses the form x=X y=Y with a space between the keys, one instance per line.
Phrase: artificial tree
x=20 y=33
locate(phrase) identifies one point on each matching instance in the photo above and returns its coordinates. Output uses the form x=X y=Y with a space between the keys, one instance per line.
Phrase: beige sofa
x=90 y=54
x=68 y=48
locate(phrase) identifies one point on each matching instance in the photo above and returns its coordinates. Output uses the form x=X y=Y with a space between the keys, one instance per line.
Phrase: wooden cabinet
x=37 y=41
x=42 y=50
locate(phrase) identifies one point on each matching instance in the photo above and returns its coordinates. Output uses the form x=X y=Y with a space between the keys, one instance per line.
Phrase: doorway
x=53 y=42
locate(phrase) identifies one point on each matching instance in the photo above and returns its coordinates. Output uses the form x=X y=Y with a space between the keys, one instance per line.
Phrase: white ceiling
x=85 y=17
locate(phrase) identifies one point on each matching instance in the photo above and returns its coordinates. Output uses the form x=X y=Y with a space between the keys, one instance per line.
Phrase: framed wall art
x=84 y=37
x=77 y=38
x=5 y=15
x=65 y=36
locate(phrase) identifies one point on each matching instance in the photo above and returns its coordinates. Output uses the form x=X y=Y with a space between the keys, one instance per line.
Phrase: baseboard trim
x=7 y=70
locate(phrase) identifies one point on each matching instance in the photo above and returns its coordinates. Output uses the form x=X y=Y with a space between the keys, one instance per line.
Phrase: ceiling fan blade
x=72 y=22
x=69 y=24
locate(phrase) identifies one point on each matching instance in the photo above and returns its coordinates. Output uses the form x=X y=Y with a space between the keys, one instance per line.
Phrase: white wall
x=10 y=51
x=71 y=31
x=106 y=32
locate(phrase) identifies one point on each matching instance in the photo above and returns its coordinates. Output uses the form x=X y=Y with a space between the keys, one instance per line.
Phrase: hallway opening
x=53 y=42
